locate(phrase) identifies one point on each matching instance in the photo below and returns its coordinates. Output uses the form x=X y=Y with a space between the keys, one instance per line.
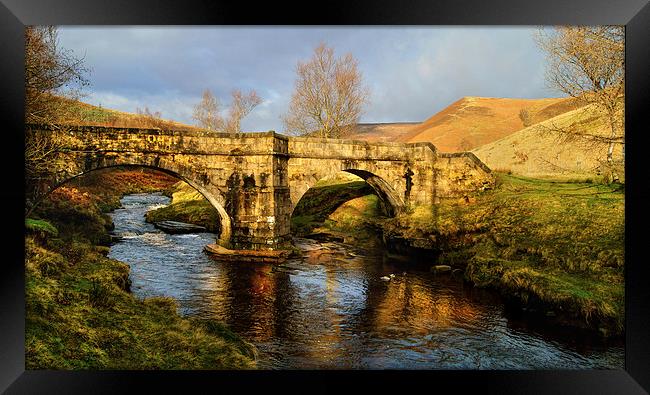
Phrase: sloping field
x=75 y=112
x=474 y=121
x=536 y=151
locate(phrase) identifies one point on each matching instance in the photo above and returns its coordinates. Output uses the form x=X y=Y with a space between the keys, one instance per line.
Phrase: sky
x=411 y=72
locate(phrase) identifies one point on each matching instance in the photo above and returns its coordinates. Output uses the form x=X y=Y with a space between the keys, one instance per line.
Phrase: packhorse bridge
x=255 y=180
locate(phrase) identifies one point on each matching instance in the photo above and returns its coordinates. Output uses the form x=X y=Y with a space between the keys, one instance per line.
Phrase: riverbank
x=187 y=206
x=319 y=202
x=80 y=313
x=554 y=247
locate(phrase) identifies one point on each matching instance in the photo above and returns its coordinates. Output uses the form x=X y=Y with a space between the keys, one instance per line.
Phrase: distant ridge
x=473 y=121
x=75 y=112
x=363 y=124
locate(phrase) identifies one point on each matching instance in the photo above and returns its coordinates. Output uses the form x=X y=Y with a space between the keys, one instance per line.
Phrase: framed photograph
x=387 y=196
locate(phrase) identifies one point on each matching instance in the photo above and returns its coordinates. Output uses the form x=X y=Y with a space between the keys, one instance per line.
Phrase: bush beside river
x=79 y=311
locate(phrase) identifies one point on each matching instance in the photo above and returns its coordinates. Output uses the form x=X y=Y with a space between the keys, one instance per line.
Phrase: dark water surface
x=330 y=308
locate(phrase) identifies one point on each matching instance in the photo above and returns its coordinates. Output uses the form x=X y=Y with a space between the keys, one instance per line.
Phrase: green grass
x=188 y=206
x=557 y=244
x=80 y=313
x=322 y=200
x=358 y=220
x=40 y=227
x=353 y=214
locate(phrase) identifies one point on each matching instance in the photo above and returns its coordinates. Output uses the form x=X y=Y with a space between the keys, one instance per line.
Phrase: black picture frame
x=15 y=14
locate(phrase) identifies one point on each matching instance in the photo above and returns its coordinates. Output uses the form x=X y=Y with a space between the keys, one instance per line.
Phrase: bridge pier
x=258 y=212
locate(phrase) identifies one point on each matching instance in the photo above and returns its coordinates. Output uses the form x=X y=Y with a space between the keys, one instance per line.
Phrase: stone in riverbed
x=254 y=256
x=175 y=227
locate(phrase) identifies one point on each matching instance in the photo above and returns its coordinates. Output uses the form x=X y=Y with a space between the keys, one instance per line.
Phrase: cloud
x=411 y=72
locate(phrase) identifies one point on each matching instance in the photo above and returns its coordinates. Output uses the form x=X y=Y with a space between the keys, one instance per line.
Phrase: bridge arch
x=389 y=198
x=224 y=218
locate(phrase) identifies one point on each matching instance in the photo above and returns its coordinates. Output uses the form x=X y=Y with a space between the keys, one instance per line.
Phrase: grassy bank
x=556 y=246
x=79 y=311
x=74 y=112
x=323 y=199
x=188 y=206
x=357 y=220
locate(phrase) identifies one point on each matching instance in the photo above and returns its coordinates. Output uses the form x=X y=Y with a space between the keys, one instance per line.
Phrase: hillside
x=474 y=121
x=75 y=112
x=536 y=152
x=381 y=132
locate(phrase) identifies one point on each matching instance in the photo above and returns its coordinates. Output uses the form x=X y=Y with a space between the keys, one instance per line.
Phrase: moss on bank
x=358 y=220
x=187 y=206
x=550 y=244
x=320 y=201
x=81 y=315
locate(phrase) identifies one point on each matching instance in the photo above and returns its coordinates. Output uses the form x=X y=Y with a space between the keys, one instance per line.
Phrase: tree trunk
x=610 y=150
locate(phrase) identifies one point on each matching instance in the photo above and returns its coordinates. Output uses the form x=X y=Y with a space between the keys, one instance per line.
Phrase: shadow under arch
x=224 y=218
x=390 y=201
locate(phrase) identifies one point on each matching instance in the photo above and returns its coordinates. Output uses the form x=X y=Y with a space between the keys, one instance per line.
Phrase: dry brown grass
x=474 y=121
x=536 y=152
x=381 y=132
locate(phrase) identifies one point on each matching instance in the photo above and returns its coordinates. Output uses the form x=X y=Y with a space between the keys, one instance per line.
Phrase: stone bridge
x=255 y=180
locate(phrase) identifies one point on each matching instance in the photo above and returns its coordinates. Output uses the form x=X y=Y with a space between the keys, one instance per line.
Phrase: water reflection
x=330 y=308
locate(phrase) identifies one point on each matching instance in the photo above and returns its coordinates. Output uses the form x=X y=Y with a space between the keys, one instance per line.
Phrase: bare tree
x=52 y=75
x=329 y=95
x=588 y=63
x=207 y=112
x=50 y=72
x=151 y=119
x=242 y=104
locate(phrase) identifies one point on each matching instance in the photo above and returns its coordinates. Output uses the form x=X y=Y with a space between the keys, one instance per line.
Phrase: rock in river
x=178 y=227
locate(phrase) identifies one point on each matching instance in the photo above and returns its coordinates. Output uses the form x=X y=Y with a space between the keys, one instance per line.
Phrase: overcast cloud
x=412 y=73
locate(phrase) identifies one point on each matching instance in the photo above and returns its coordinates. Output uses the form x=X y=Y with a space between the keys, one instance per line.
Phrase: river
x=330 y=309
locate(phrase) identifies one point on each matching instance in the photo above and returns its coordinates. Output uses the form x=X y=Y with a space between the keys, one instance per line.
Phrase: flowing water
x=331 y=309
